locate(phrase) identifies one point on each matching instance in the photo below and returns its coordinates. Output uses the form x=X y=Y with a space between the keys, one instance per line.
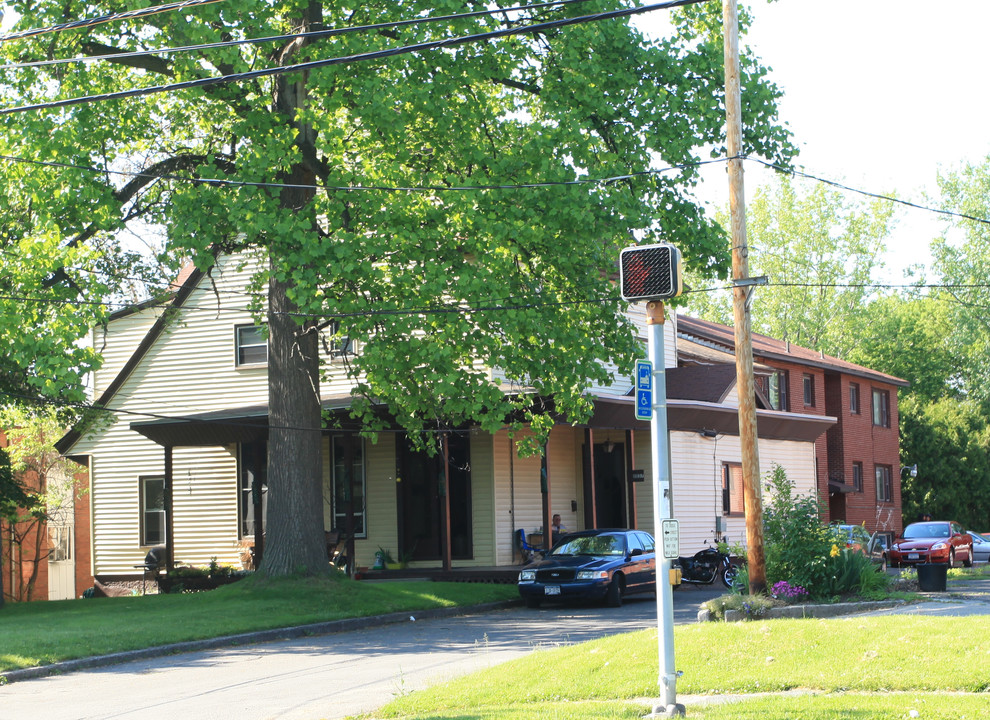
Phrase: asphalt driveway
x=330 y=676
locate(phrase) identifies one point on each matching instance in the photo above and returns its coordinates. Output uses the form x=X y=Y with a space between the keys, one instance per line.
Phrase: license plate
x=551 y=590
x=913 y=556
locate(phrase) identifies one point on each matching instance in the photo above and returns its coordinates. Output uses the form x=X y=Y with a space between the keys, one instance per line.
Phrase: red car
x=933 y=541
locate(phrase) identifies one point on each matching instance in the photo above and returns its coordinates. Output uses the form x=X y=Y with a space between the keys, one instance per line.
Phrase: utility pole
x=742 y=291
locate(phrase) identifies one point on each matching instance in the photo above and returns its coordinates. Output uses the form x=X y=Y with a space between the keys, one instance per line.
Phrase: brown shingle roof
x=769 y=348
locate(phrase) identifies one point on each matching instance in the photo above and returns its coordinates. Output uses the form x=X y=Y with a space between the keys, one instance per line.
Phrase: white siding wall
x=190 y=370
x=118 y=345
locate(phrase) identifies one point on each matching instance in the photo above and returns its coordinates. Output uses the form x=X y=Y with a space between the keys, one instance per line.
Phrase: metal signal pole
x=742 y=290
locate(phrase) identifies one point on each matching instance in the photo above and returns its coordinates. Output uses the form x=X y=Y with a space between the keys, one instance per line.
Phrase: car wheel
x=613 y=596
x=533 y=602
x=968 y=562
x=952 y=559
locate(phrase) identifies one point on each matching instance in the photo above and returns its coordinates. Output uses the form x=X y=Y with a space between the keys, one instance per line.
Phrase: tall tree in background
x=962 y=259
x=819 y=252
x=376 y=191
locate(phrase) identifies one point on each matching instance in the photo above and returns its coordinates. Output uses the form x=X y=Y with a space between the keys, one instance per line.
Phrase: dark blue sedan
x=592 y=565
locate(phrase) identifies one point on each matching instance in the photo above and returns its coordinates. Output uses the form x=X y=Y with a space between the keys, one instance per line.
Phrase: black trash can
x=931 y=577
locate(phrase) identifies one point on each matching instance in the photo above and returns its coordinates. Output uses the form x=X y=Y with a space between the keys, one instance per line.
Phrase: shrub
x=797 y=544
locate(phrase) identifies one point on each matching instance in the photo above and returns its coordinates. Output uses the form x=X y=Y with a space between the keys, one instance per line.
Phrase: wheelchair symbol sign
x=644 y=390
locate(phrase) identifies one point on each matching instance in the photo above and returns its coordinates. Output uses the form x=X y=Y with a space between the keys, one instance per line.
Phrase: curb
x=804 y=611
x=323 y=628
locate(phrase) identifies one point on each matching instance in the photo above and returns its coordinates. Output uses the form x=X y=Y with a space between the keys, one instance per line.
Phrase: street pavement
x=329 y=676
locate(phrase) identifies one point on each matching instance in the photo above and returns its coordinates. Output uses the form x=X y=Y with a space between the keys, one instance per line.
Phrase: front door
x=610 y=505
x=422 y=503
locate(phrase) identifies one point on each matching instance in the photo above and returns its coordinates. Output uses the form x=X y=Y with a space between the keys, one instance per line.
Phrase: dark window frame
x=145 y=511
x=884 y=475
x=247 y=354
x=854 y=399
x=338 y=495
x=733 y=499
x=857 y=476
x=808 y=386
x=881 y=407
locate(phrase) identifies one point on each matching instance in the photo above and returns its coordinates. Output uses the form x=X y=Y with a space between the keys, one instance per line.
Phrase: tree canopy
x=453 y=208
x=820 y=253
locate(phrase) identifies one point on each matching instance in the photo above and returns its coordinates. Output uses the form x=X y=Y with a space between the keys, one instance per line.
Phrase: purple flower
x=785 y=591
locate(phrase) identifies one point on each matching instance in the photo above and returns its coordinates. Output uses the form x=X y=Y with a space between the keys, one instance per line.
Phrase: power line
x=103 y=19
x=360 y=57
x=867 y=193
x=312 y=34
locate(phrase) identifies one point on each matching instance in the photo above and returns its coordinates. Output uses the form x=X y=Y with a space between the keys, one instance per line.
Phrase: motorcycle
x=706 y=566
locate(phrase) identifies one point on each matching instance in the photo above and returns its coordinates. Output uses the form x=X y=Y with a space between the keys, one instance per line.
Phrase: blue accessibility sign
x=644 y=390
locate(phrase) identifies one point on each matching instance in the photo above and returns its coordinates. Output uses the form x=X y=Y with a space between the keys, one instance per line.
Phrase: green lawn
x=853 y=668
x=40 y=633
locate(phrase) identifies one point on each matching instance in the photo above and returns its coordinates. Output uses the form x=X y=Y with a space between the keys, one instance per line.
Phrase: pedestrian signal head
x=650 y=272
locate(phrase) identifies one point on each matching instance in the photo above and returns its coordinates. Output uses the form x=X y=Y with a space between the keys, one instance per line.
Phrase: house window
x=254 y=486
x=885 y=488
x=857 y=477
x=809 y=390
x=348 y=488
x=854 y=398
x=776 y=386
x=60 y=537
x=152 y=490
x=252 y=347
x=881 y=408
x=732 y=489
x=337 y=345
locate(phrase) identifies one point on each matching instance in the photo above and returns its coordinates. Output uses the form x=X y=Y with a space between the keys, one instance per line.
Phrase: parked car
x=592 y=565
x=859 y=539
x=981 y=546
x=939 y=541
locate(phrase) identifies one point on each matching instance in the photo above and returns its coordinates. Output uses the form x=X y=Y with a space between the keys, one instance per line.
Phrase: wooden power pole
x=741 y=293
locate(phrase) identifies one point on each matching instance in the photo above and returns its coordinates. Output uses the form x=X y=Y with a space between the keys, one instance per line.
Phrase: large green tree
x=392 y=197
x=820 y=252
x=962 y=261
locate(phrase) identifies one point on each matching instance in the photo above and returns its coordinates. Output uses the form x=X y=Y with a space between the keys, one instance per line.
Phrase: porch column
x=545 y=491
x=445 y=503
x=630 y=485
x=590 y=511
x=348 y=498
x=167 y=492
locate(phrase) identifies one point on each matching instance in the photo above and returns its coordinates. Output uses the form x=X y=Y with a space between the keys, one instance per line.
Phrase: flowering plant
x=783 y=590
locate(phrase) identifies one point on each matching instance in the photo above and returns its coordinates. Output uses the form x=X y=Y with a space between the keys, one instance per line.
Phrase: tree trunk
x=294 y=541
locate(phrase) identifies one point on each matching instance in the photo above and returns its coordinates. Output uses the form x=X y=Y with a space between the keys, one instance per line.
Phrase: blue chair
x=527 y=551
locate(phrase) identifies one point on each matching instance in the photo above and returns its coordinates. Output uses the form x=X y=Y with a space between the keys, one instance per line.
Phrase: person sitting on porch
x=556 y=529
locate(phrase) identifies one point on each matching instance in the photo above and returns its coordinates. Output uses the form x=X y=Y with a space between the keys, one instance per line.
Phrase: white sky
x=879 y=94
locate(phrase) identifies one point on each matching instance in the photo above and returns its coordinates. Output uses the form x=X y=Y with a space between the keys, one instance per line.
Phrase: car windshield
x=591 y=545
x=978 y=536
x=927 y=530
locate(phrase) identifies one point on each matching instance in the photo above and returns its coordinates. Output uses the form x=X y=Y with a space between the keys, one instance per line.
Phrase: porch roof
x=221 y=427
x=618 y=413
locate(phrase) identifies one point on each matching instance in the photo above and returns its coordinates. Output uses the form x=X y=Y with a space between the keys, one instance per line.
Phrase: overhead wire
x=103 y=19
x=310 y=34
x=349 y=59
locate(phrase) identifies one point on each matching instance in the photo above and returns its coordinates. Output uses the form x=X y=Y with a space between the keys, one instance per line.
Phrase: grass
x=45 y=632
x=853 y=668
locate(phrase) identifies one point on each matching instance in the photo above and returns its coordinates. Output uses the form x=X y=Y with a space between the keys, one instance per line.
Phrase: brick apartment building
x=858 y=458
